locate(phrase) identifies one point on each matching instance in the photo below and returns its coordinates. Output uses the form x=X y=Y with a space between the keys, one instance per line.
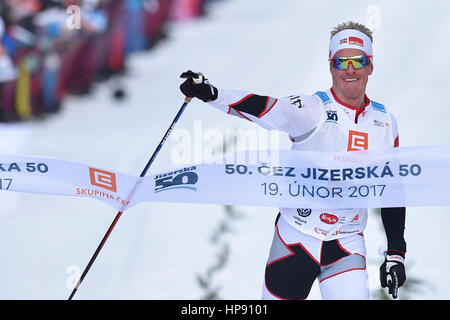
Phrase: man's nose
x=350 y=68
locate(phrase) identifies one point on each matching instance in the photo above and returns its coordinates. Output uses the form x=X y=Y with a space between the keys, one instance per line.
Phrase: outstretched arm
x=287 y=114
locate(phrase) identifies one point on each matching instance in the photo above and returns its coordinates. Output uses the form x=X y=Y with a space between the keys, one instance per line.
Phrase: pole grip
x=188 y=99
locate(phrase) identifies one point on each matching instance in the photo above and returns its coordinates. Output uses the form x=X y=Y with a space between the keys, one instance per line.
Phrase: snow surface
x=157 y=249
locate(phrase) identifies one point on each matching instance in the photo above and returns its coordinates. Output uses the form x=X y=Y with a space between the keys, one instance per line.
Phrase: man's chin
x=351 y=91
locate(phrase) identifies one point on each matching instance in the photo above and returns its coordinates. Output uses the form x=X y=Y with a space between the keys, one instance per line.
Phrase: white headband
x=350 y=39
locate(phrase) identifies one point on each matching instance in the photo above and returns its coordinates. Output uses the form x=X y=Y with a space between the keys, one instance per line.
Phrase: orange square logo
x=103 y=179
x=357 y=141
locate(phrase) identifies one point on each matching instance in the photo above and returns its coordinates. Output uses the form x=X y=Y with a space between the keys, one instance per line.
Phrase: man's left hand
x=392 y=272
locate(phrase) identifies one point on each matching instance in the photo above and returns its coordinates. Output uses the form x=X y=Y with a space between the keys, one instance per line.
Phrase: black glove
x=197 y=86
x=392 y=272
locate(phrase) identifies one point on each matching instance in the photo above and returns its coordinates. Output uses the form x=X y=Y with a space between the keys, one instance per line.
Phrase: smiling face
x=350 y=85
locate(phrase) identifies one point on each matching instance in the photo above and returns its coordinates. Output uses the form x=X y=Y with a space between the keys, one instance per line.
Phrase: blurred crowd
x=52 y=48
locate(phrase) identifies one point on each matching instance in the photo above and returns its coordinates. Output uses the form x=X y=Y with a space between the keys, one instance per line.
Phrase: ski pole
x=118 y=215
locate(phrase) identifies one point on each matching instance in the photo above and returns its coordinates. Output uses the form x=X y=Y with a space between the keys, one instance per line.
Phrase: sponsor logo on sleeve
x=296 y=101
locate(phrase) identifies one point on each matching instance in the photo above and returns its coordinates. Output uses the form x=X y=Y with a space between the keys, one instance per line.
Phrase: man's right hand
x=197 y=86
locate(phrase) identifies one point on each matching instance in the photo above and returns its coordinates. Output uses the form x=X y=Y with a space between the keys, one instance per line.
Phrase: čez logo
x=184 y=178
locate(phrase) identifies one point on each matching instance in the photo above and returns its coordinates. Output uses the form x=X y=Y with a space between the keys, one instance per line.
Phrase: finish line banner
x=405 y=176
x=63 y=177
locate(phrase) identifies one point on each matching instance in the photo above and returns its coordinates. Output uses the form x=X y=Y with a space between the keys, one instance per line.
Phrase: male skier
x=327 y=245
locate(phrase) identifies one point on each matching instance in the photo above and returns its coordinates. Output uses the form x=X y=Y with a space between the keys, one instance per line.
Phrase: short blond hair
x=352 y=25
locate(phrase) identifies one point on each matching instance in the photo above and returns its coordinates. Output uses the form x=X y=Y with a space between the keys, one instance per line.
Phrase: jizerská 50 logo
x=184 y=178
